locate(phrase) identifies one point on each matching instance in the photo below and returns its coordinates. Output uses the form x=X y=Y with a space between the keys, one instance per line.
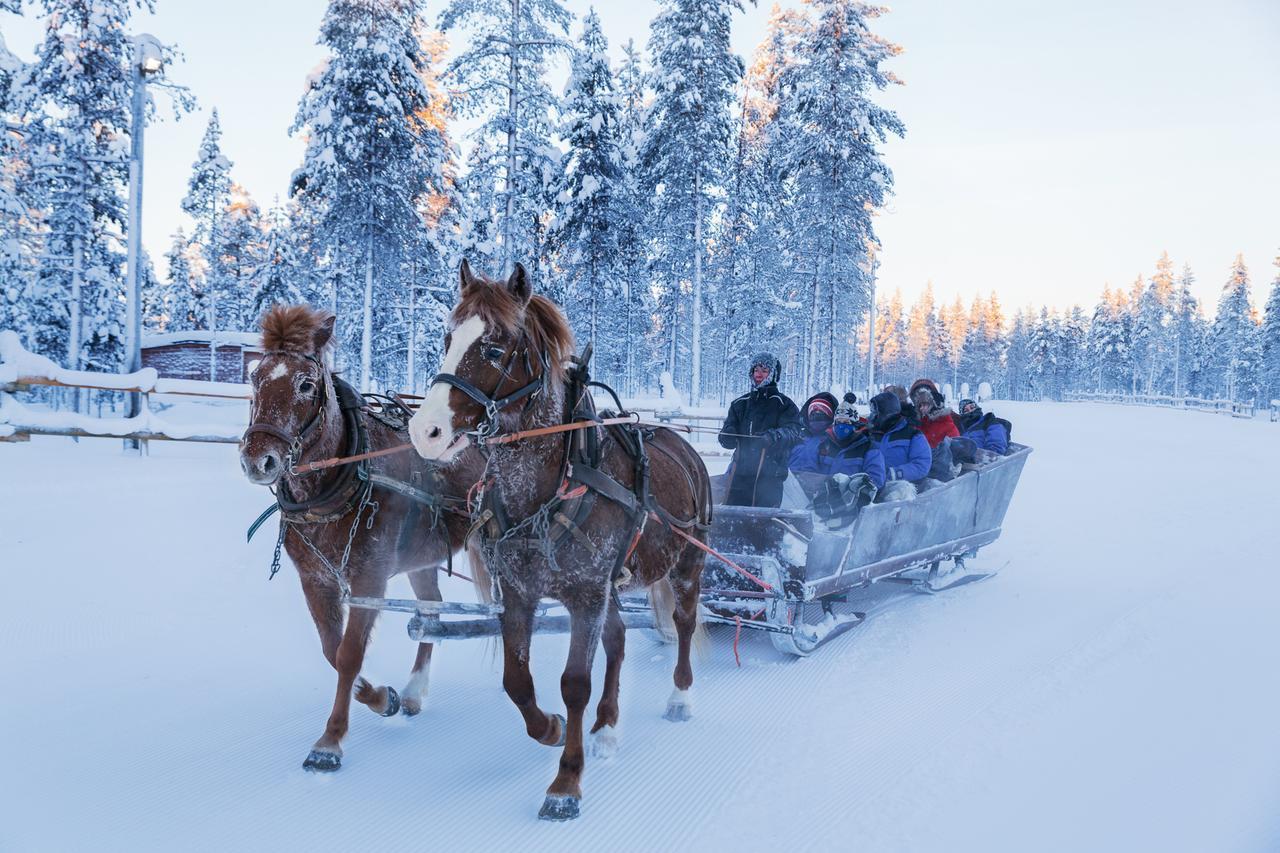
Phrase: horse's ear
x=465 y=278
x=324 y=332
x=519 y=285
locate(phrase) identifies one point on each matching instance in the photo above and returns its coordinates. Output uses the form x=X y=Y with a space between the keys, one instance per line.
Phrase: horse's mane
x=291 y=328
x=541 y=321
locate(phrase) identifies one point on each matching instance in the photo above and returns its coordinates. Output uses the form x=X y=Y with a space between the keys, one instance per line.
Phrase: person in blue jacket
x=905 y=449
x=985 y=430
x=841 y=449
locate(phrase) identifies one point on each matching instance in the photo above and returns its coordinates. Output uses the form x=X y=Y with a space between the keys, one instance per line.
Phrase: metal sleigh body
x=804 y=569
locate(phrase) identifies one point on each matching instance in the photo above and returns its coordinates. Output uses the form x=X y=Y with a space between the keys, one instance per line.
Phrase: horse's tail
x=662 y=601
x=480 y=575
x=484 y=593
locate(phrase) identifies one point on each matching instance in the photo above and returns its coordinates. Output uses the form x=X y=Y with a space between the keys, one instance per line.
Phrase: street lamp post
x=148 y=61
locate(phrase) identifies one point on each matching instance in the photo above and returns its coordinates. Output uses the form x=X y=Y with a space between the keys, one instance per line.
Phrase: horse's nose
x=268 y=464
x=434 y=432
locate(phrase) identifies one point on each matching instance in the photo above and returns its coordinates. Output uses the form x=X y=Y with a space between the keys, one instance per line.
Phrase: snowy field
x=1113 y=688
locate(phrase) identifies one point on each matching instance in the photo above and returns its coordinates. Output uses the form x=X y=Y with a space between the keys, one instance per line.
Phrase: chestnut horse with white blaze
x=346 y=537
x=572 y=516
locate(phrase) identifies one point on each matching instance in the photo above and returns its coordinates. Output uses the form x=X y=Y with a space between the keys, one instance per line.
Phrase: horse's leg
x=325 y=603
x=686 y=580
x=426 y=587
x=517 y=627
x=327 y=752
x=565 y=793
x=604 y=734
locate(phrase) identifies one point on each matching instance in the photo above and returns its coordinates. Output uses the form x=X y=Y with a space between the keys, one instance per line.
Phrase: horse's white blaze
x=279 y=370
x=435 y=413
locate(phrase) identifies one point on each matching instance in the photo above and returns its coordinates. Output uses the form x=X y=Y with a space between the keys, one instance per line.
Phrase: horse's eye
x=494 y=353
x=306 y=386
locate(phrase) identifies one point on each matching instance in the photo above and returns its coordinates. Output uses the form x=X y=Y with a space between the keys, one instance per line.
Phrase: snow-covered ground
x=1114 y=688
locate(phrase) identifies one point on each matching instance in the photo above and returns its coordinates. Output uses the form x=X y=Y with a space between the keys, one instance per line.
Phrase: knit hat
x=819 y=408
x=938 y=399
x=845 y=412
x=969 y=407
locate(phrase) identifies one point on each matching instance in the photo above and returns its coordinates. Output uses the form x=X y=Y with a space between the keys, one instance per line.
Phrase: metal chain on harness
x=338 y=572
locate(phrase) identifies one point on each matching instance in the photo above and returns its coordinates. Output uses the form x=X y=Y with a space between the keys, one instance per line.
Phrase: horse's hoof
x=393 y=702
x=604 y=743
x=320 y=761
x=678 y=712
x=411 y=707
x=564 y=730
x=557 y=807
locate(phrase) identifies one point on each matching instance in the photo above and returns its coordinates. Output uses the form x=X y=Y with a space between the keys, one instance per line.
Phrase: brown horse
x=562 y=517
x=345 y=536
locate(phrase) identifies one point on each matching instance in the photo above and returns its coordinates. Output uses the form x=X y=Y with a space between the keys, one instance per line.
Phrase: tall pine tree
x=374 y=156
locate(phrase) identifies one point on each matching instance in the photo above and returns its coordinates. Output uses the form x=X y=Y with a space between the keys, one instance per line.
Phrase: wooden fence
x=1190 y=404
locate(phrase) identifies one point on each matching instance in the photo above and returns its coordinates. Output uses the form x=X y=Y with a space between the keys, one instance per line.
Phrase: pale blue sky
x=1051 y=147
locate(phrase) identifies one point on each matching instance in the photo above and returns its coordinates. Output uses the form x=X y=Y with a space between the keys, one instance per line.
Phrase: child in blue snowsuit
x=905 y=449
x=985 y=430
x=840 y=449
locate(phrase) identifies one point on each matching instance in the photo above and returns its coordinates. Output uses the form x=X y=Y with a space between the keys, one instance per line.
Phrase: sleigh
x=777 y=572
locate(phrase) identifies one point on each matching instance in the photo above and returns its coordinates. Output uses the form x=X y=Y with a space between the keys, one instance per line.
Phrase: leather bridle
x=298 y=444
x=492 y=404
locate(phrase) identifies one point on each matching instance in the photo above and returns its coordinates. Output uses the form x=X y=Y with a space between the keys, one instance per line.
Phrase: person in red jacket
x=936 y=421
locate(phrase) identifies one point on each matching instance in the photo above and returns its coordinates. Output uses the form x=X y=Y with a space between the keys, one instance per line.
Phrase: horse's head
x=504 y=346
x=292 y=392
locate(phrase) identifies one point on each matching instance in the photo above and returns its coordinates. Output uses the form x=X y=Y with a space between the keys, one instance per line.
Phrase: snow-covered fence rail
x=1193 y=404
x=21 y=370
x=702 y=438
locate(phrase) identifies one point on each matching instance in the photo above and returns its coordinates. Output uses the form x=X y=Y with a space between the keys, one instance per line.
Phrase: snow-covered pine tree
x=631 y=211
x=1271 y=340
x=373 y=154
x=956 y=319
x=1236 y=347
x=208 y=191
x=1018 y=374
x=686 y=157
x=500 y=77
x=274 y=281
x=18 y=233
x=1109 y=342
x=1043 y=352
x=920 y=322
x=1183 y=333
x=184 y=299
x=156 y=297
x=1075 y=364
x=76 y=120
x=586 y=241
x=239 y=252
x=833 y=130
x=749 y=297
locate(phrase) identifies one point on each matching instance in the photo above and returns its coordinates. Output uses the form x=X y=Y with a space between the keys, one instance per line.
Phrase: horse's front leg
x=426 y=587
x=604 y=734
x=327 y=753
x=517 y=628
x=586 y=621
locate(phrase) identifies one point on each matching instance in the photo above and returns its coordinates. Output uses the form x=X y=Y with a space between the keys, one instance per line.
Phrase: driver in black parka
x=761 y=428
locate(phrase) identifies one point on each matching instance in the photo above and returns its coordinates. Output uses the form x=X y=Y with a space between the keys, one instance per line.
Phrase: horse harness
x=582 y=480
x=352 y=488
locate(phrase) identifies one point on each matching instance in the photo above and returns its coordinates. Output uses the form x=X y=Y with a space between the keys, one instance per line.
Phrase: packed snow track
x=1113 y=688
